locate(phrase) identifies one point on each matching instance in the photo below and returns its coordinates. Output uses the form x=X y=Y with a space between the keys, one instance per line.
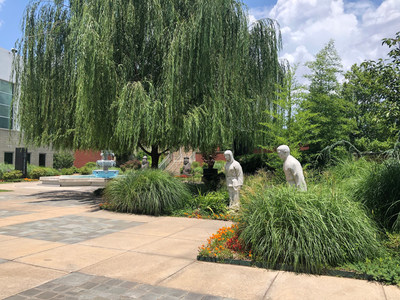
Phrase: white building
x=9 y=136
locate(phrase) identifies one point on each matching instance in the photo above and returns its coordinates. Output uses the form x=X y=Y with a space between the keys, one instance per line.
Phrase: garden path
x=56 y=244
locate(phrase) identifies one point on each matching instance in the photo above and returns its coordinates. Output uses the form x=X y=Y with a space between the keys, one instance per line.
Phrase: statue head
x=228 y=155
x=283 y=151
x=144 y=159
x=185 y=160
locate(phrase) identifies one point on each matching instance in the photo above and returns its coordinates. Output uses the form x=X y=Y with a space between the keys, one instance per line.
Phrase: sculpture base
x=105 y=174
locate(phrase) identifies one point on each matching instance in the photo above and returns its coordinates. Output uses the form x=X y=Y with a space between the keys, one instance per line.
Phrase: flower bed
x=224 y=245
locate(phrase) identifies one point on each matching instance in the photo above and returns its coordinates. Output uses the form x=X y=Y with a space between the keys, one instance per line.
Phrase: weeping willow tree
x=151 y=75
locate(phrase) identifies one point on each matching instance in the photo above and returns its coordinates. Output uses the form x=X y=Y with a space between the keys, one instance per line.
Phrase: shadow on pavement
x=67 y=198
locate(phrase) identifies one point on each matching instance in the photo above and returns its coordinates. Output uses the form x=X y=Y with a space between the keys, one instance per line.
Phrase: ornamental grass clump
x=304 y=231
x=151 y=192
x=379 y=190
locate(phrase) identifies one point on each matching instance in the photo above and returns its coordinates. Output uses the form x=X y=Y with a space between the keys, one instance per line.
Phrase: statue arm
x=299 y=177
x=239 y=174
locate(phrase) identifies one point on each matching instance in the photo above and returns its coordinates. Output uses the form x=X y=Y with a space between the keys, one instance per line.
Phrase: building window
x=5 y=104
x=42 y=159
x=8 y=157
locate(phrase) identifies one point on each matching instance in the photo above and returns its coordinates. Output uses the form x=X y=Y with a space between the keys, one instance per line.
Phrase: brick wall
x=83 y=157
x=220 y=156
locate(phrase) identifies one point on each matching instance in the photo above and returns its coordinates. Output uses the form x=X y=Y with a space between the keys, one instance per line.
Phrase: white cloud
x=357 y=27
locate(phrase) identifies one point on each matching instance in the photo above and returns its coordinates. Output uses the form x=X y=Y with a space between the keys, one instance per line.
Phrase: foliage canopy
x=156 y=75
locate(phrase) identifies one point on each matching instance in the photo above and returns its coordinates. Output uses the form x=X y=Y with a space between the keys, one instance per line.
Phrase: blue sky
x=356 y=26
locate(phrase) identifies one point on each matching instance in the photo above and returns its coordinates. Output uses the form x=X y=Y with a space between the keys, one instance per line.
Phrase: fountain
x=106 y=163
x=98 y=178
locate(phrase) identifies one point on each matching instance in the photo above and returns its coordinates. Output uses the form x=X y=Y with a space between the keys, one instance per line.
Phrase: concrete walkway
x=56 y=244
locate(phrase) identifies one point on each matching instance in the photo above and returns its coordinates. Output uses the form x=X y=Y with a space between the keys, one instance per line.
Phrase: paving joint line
x=101 y=261
x=176 y=272
x=271 y=284
x=43 y=267
x=384 y=293
x=14 y=259
x=163 y=255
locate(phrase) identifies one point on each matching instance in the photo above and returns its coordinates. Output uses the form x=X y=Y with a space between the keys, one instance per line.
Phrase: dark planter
x=210 y=178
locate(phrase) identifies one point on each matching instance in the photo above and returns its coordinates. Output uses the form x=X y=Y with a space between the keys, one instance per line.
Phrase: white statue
x=145 y=163
x=234 y=179
x=292 y=168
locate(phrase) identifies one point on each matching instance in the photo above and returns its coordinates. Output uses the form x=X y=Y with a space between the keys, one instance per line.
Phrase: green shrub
x=220 y=165
x=133 y=164
x=5 y=168
x=305 y=230
x=91 y=165
x=12 y=175
x=63 y=160
x=198 y=170
x=251 y=163
x=195 y=164
x=211 y=203
x=348 y=169
x=385 y=268
x=67 y=171
x=85 y=170
x=38 y=172
x=149 y=191
x=379 y=191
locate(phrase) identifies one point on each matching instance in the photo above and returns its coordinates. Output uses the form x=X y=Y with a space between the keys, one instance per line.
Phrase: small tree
x=374 y=87
x=63 y=159
x=282 y=124
x=327 y=116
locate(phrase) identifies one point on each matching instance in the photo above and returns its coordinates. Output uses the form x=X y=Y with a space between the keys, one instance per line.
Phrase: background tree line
x=360 y=106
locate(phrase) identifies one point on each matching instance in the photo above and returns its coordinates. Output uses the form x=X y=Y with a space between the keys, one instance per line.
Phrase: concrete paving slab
x=22 y=206
x=36 y=216
x=301 y=286
x=67 y=229
x=224 y=280
x=196 y=233
x=6 y=237
x=83 y=286
x=213 y=224
x=121 y=240
x=119 y=216
x=392 y=292
x=144 y=268
x=23 y=246
x=70 y=258
x=172 y=247
x=164 y=226
x=16 y=277
x=10 y=213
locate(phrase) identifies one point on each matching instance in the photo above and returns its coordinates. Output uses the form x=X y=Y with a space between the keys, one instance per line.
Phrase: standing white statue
x=292 y=168
x=145 y=163
x=234 y=179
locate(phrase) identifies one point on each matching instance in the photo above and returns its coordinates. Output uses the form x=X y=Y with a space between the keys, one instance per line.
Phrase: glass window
x=5 y=98
x=5 y=103
x=5 y=87
x=4 y=122
x=42 y=159
x=8 y=157
x=4 y=110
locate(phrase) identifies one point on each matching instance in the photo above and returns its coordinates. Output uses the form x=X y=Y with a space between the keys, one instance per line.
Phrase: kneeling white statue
x=234 y=179
x=292 y=168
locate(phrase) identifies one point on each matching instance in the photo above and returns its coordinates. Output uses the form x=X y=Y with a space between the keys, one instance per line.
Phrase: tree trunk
x=154 y=156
